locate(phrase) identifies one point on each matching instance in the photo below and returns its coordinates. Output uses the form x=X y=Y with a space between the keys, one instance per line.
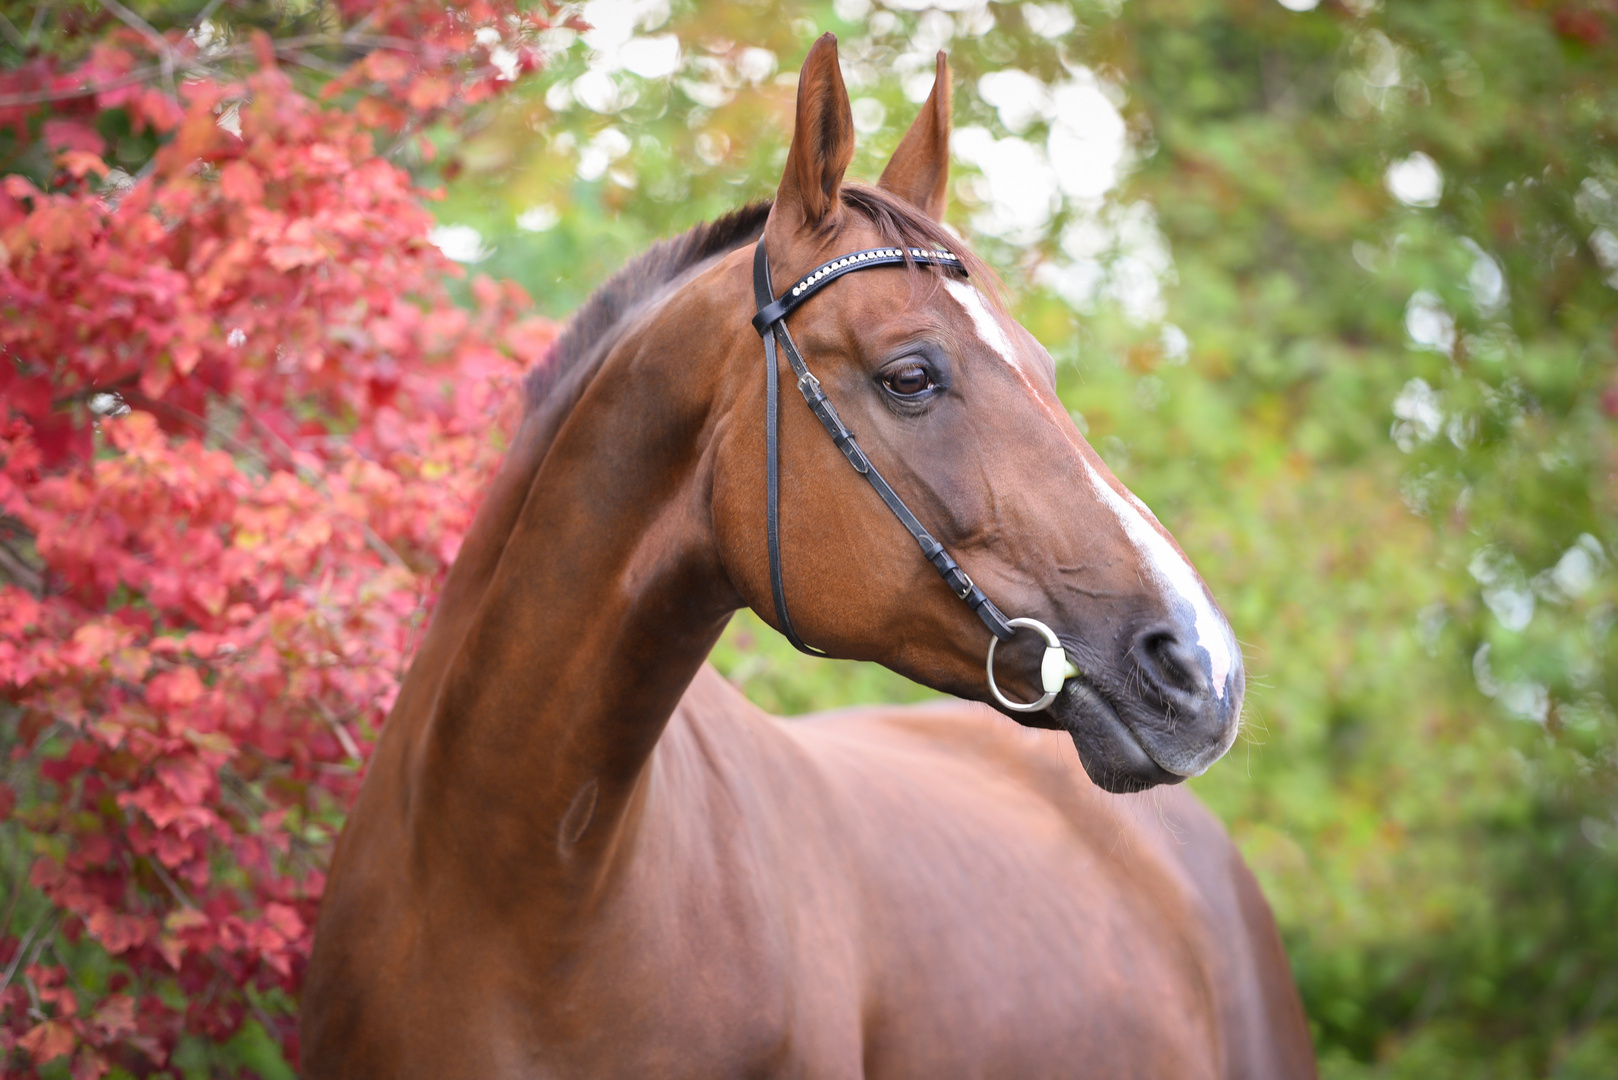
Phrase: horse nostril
x=1169 y=663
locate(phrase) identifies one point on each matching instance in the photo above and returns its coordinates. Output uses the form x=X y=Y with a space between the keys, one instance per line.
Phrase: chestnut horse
x=579 y=852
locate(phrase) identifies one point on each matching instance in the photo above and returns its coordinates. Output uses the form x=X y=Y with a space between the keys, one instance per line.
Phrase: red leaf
x=1580 y=25
x=48 y=1041
x=285 y=920
x=156 y=108
x=174 y=689
x=387 y=66
x=60 y=439
x=188 y=778
x=240 y=181
x=118 y=933
x=80 y=163
x=90 y=1065
x=428 y=92
x=116 y=1016
x=65 y=134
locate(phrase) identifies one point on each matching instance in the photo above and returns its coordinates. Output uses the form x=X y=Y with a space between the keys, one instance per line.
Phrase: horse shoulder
x=718 y=945
x=907 y=891
x=1001 y=856
x=1267 y=1033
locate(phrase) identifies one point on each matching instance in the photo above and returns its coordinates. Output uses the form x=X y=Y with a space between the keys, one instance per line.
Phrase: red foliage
x=241 y=437
x=1585 y=24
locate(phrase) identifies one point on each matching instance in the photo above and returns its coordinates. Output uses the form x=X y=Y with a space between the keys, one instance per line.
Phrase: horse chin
x=1111 y=754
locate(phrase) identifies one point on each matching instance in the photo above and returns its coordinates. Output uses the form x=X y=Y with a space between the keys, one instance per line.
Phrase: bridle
x=770 y=322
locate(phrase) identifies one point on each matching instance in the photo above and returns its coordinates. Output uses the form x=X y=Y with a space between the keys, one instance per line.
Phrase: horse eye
x=909 y=381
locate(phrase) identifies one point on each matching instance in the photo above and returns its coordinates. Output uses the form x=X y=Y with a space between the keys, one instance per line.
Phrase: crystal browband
x=859 y=260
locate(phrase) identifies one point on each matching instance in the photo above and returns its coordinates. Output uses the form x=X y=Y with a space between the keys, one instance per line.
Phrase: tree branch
x=41 y=97
x=350 y=747
x=17 y=568
x=207 y=11
x=199 y=65
x=373 y=541
x=34 y=25
x=172 y=885
x=313 y=62
x=22 y=949
x=12 y=33
x=165 y=51
x=174 y=412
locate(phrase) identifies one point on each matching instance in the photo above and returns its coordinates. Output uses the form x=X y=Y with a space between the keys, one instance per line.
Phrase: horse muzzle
x=1157 y=718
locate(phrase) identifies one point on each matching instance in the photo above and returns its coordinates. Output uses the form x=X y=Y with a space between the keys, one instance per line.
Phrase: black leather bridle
x=770 y=322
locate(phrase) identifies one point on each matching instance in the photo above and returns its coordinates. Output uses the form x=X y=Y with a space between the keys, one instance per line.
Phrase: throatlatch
x=770 y=322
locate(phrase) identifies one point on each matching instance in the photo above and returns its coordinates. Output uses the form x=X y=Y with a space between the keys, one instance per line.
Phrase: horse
x=580 y=852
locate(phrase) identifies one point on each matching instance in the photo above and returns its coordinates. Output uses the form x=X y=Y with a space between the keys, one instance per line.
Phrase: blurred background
x=1332 y=288
x=1332 y=285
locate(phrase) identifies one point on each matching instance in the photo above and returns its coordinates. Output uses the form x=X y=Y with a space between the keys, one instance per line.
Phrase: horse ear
x=919 y=169
x=822 y=145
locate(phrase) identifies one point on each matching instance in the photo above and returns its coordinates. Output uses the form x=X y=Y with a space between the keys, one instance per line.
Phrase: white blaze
x=1170 y=567
x=1167 y=564
x=988 y=327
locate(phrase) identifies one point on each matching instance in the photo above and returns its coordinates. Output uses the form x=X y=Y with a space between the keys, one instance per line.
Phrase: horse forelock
x=894 y=220
x=902 y=225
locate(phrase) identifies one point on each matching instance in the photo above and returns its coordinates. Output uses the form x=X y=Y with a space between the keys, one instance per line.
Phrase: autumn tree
x=242 y=428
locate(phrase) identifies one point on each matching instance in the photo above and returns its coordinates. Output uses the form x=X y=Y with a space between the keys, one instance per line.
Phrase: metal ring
x=1052 y=646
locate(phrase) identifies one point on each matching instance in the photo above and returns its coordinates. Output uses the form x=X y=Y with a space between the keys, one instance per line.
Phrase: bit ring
x=1050 y=669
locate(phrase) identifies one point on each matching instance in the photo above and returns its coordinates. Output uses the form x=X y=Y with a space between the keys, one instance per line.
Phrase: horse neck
x=590 y=620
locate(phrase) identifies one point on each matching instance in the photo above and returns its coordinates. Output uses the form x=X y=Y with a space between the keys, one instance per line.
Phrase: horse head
x=956 y=405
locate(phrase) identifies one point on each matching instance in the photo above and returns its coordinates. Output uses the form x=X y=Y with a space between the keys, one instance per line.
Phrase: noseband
x=770 y=322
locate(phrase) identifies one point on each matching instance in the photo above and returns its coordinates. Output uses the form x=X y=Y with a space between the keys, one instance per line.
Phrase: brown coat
x=578 y=852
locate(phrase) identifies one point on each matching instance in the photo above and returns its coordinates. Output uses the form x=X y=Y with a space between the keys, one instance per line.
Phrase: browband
x=773 y=311
x=770 y=324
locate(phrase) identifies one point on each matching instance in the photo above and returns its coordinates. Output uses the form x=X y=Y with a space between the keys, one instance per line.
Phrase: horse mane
x=640 y=279
x=644 y=277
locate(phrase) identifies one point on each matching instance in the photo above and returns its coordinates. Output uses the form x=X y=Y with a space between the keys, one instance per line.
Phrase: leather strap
x=773 y=311
x=771 y=325
x=772 y=477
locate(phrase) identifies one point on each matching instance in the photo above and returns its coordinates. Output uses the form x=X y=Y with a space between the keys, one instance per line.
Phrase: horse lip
x=1101 y=724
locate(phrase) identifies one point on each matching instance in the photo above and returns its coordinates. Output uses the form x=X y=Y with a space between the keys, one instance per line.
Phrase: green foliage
x=1420 y=571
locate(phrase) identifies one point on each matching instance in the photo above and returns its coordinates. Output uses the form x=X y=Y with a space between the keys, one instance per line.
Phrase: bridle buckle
x=966 y=585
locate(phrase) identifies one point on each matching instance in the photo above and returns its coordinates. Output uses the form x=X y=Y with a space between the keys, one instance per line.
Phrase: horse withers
x=579 y=852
